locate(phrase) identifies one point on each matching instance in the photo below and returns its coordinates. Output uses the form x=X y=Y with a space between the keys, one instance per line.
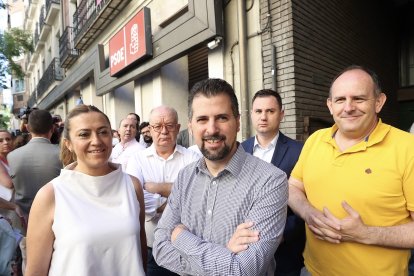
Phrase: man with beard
x=128 y=145
x=144 y=129
x=157 y=168
x=227 y=211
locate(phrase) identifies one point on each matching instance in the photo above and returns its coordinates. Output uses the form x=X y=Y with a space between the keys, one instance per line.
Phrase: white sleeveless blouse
x=96 y=225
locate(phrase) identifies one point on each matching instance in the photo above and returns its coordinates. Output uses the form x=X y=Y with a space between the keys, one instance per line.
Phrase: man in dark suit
x=34 y=164
x=271 y=145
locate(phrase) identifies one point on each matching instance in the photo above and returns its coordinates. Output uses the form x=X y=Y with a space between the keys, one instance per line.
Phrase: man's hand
x=322 y=226
x=243 y=237
x=352 y=228
x=177 y=231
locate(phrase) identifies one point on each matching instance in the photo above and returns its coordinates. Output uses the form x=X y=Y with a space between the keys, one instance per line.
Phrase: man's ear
x=379 y=102
x=329 y=104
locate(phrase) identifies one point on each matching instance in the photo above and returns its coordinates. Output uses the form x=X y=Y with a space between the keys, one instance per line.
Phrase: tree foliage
x=4 y=121
x=13 y=43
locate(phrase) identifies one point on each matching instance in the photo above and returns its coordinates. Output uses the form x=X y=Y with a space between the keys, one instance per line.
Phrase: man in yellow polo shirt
x=354 y=185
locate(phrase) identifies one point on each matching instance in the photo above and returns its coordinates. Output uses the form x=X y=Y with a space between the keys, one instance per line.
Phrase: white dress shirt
x=121 y=153
x=265 y=154
x=148 y=166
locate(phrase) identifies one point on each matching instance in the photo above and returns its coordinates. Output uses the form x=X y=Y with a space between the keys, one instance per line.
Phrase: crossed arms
x=178 y=247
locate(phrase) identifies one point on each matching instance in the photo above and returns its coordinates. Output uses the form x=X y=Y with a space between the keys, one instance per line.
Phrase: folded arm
x=190 y=254
x=164 y=189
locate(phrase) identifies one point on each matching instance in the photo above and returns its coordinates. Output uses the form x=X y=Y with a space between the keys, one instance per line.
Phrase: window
x=18 y=85
x=407 y=47
x=407 y=62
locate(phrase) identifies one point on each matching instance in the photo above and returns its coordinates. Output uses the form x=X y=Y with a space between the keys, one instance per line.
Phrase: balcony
x=53 y=73
x=32 y=99
x=38 y=43
x=67 y=52
x=28 y=20
x=31 y=8
x=41 y=18
x=44 y=28
x=52 y=10
x=36 y=35
x=89 y=19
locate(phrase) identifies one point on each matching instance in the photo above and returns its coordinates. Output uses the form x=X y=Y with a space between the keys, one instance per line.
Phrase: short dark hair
x=210 y=88
x=143 y=125
x=371 y=73
x=40 y=121
x=268 y=93
x=136 y=116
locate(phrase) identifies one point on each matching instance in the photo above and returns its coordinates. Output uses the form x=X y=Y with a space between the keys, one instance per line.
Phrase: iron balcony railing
x=84 y=15
x=36 y=35
x=41 y=18
x=53 y=73
x=32 y=99
x=67 y=52
x=90 y=19
x=49 y=4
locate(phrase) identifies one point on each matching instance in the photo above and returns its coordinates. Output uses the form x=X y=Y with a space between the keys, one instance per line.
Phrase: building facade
x=293 y=46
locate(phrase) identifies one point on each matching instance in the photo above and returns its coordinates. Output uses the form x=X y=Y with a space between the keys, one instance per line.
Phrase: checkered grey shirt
x=212 y=207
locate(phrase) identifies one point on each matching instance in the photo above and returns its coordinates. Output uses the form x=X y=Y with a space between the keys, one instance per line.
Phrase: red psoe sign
x=132 y=43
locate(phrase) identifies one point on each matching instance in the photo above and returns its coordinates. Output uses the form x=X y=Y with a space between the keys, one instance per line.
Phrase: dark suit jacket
x=32 y=166
x=289 y=253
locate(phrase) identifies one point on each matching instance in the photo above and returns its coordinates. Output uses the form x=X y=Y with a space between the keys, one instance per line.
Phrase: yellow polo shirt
x=376 y=177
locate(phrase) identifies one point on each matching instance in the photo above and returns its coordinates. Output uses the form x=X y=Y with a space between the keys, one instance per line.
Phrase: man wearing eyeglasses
x=157 y=168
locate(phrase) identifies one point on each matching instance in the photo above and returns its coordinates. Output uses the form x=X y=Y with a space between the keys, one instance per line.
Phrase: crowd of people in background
x=163 y=197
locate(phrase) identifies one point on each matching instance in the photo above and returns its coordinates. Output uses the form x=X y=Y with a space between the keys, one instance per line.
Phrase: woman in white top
x=90 y=219
x=6 y=146
x=6 y=191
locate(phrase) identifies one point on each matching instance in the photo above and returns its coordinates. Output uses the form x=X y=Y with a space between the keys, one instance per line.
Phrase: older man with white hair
x=157 y=168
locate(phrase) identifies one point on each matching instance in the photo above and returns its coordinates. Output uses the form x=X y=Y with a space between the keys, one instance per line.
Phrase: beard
x=218 y=154
x=147 y=139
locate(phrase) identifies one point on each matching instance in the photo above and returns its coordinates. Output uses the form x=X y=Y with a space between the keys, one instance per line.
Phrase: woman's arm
x=5 y=178
x=143 y=236
x=40 y=237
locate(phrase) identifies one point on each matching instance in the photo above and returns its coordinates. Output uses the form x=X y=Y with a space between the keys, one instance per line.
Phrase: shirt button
x=209 y=212
x=214 y=183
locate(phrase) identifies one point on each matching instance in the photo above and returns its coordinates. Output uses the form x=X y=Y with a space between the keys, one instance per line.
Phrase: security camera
x=214 y=43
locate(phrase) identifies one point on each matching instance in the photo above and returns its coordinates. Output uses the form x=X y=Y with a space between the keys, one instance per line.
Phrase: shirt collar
x=127 y=144
x=234 y=166
x=376 y=136
x=271 y=145
x=151 y=151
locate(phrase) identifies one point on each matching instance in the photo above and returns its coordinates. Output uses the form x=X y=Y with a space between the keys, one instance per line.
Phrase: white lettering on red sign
x=118 y=57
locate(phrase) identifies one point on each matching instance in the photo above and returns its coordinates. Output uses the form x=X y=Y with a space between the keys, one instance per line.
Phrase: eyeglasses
x=169 y=127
